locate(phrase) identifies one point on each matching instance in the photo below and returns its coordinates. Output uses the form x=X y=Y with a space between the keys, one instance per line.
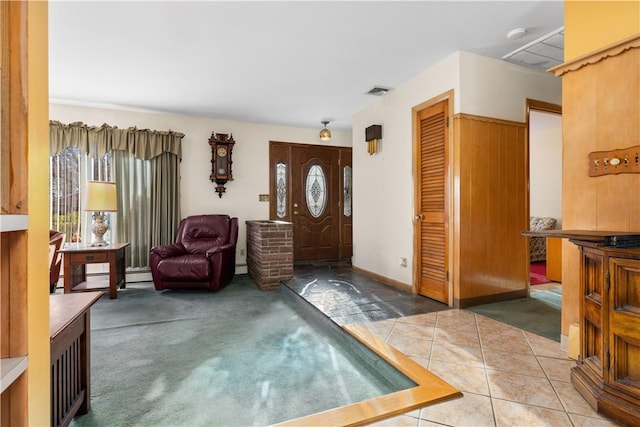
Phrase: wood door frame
x=454 y=216
x=345 y=246
x=545 y=107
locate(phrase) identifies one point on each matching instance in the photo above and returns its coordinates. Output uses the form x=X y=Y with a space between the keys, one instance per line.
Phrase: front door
x=432 y=217
x=310 y=186
x=315 y=209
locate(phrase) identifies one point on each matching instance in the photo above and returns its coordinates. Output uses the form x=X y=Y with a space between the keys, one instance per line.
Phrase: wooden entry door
x=315 y=209
x=310 y=186
x=432 y=199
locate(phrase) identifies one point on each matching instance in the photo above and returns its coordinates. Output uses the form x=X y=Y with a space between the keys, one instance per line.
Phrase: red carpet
x=538 y=274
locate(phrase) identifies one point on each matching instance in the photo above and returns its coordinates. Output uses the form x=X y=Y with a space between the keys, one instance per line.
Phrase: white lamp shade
x=101 y=197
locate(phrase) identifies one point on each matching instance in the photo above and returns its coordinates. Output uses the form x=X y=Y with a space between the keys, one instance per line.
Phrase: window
x=69 y=172
x=281 y=190
x=316 y=191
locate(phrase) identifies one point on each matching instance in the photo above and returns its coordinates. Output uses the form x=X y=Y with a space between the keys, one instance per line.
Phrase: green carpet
x=539 y=315
x=239 y=356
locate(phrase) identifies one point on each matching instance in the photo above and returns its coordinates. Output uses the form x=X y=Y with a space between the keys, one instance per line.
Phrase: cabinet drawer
x=89 y=258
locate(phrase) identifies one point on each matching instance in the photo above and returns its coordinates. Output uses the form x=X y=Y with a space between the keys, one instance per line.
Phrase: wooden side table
x=77 y=257
x=69 y=328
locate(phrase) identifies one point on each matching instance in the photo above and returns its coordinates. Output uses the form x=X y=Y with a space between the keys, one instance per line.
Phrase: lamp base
x=99 y=228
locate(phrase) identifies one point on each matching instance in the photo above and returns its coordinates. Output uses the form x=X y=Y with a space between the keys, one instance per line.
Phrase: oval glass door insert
x=316 y=191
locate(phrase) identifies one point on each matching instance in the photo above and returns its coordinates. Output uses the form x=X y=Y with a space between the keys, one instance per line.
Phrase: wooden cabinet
x=13 y=215
x=608 y=371
x=554 y=259
x=69 y=330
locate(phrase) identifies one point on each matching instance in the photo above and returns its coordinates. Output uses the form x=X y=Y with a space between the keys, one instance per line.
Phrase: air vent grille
x=545 y=52
x=378 y=91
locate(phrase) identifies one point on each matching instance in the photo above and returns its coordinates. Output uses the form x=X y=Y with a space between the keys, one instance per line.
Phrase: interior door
x=315 y=201
x=432 y=218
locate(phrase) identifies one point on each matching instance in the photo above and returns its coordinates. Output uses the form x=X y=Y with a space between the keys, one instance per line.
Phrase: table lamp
x=101 y=197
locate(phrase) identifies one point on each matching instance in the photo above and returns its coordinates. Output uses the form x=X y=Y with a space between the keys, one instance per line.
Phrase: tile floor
x=508 y=377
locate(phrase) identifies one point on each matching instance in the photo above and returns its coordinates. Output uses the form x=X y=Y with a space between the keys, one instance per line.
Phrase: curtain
x=96 y=141
x=148 y=202
x=146 y=166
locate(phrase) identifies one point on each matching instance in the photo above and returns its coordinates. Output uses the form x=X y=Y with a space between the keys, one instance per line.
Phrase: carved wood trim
x=596 y=56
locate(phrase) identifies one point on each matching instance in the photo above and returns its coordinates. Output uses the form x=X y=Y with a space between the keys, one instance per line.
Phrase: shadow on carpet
x=535 y=315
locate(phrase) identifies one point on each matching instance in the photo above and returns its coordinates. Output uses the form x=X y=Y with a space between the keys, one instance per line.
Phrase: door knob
x=419 y=217
x=295 y=212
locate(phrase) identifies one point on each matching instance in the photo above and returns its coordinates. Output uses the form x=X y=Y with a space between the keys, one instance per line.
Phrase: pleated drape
x=146 y=165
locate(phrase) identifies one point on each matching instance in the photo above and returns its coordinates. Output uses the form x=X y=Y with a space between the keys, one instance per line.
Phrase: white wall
x=383 y=183
x=545 y=165
x=383 y=194
x=250 y=158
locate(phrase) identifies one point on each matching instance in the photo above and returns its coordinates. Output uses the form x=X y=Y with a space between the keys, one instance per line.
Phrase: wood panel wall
x=490 y=188
x=601 y=111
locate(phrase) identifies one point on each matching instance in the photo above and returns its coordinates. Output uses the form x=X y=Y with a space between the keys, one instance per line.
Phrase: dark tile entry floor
x=347 y=297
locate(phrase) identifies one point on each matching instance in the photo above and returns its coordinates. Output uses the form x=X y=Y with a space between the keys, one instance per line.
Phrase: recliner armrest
x=169 y=251
x=222 y=248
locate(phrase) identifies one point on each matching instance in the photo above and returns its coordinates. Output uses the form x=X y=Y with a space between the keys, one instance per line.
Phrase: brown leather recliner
x=202 y=257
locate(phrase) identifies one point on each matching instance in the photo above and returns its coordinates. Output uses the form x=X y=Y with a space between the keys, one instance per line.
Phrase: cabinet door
x=624 y=324
x=592 y=303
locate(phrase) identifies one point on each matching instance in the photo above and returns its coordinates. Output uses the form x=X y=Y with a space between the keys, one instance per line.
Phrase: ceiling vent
x=378 y=91
x=545 y=52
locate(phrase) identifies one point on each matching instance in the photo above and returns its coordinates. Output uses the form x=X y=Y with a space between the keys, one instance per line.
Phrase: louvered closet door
x=432 y=203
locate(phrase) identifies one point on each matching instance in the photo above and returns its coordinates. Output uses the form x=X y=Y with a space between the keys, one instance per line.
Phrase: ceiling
x=291 y=63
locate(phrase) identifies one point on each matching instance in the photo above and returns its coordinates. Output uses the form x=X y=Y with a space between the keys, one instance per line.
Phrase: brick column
x=269 y=252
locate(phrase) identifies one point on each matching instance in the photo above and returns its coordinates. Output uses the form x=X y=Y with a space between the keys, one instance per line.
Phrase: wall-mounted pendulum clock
x=221 y=149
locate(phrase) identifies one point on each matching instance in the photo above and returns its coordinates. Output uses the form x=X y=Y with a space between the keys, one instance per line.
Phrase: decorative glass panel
x=281 y=190
x=347 y=190
x=316 y=189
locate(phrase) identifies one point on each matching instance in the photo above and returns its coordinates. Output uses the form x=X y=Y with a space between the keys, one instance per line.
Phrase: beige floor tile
x=457 y=313
x=425 y=423
x=469 y=410
x=582 y=421
x=542 y=346
x=557 y=369
x=397 y=421
x=488 y=326
x=411 y=346
x=517 y=414
x=427 y=319
x=509 y=344
x=453 y=353
x=572 y=401
x=457 y=336
x=518 y=363
x=463 y=322
x=522 y=389
x=413 y=331
x=463 y=377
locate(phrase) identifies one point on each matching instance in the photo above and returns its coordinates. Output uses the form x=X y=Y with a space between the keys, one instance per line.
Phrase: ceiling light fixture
x=516 y=33
x=325 y=134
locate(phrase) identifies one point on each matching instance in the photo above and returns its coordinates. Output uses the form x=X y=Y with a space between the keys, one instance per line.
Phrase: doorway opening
x=544 y=125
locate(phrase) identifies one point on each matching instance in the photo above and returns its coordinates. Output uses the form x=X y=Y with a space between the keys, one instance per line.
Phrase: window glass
x=316 y=191
x=281 y=190
x=347 y=190
x=69 y=172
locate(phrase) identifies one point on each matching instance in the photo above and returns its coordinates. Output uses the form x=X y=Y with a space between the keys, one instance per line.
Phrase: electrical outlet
x=403 y=262
x=241 y=252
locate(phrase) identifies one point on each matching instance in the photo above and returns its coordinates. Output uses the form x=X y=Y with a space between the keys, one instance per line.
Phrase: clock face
x=222 y=151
